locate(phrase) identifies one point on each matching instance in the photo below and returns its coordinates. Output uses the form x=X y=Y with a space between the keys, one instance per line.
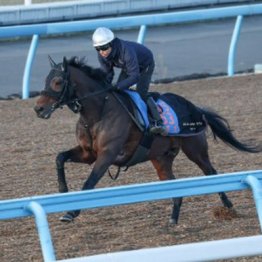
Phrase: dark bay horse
x=107 y=135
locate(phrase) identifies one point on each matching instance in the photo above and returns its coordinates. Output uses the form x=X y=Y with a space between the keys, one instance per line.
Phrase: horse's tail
x=220 y=128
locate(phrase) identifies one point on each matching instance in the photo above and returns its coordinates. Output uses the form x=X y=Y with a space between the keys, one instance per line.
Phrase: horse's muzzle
x=41 y=112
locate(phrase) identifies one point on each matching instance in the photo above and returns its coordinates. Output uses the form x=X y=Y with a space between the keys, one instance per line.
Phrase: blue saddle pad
x=168 y=115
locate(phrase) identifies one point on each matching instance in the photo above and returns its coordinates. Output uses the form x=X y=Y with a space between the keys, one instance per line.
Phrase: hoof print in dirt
x=223 y=213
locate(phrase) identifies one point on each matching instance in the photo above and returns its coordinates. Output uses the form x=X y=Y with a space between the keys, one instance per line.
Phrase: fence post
x=256 y=187
x=232 y=49
x=141 y=34
x=28 y=66
x=43 y=231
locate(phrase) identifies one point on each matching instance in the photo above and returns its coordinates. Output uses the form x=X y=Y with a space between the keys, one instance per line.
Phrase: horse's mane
x=95 y=73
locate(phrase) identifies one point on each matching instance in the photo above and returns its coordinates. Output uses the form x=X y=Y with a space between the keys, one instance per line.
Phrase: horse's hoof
x=172 y=221
x=67 y=218
x=229 y=204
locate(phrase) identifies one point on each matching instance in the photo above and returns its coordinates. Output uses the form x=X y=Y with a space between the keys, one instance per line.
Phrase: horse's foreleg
x=101 y=165
x=60 y=163
x=76 y=154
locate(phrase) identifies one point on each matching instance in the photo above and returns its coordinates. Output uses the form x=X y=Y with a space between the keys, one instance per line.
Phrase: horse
x=108 y=135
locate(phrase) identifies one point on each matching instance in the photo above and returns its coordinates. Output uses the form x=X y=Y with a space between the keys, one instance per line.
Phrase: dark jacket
x=133 y=58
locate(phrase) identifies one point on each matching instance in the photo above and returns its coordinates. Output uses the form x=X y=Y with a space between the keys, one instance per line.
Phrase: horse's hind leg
x=196 y=149
x=163 y=165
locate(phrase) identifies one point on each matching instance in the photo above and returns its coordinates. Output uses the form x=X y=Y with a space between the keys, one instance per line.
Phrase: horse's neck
x=83 y=84
x=86 y=91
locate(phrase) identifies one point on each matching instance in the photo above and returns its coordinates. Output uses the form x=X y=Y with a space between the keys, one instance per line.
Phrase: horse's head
x=58 y=91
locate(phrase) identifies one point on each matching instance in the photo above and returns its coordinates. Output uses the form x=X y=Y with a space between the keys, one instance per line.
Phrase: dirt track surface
x=27 y=164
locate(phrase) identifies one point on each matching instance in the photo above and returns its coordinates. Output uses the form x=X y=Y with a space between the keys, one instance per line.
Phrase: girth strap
x=142 y=150
x=140 y=155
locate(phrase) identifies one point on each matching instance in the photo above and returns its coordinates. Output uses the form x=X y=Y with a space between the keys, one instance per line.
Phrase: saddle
x=180 y=117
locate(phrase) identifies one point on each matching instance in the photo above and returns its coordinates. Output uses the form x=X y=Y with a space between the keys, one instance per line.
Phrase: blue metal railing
x=28 y=66
x=128 y=22
x=232 y=49
x=257 y=193
x=43 y=230
x=39 y=206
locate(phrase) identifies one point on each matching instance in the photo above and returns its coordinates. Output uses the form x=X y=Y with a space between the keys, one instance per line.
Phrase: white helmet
x=102 y=36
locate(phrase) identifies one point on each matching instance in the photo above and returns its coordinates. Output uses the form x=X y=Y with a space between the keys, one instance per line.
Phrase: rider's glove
x=132 y=88
x=115 y=88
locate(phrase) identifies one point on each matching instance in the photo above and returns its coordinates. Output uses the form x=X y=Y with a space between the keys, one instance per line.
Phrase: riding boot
x=158 y=126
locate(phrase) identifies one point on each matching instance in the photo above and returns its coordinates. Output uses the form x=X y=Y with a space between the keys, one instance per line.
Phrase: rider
x=136 y=63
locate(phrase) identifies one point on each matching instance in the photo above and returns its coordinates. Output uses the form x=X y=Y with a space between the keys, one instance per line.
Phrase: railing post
x=28 y=66
x=43 y=231
x=28 y=2
x=256 y=187
x=232 y=49
x=141 y=34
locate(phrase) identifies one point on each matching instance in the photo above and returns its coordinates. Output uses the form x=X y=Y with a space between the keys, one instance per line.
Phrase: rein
x=92 y=94
x=75 y=104
x=68 y=90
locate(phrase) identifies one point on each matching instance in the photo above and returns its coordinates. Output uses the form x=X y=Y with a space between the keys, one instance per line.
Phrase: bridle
x=67 y=95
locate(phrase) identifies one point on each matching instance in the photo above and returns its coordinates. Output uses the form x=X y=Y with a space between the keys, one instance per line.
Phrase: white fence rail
x=203 y=251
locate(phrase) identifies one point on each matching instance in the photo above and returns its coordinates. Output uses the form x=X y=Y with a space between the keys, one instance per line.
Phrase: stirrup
x=158 y=129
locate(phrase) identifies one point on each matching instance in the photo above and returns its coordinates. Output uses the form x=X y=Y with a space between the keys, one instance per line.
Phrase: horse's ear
x=52 y=62
x=64 y=64
x=76 y=60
